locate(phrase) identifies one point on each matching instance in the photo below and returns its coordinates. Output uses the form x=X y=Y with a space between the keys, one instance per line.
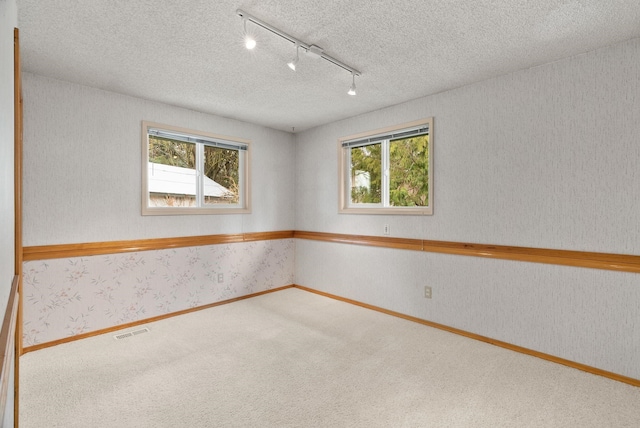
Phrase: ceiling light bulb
x=352 y=89
x=294 y=62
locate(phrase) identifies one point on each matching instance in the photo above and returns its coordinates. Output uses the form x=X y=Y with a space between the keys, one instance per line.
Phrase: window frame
x=344 y=172
x=199 y=138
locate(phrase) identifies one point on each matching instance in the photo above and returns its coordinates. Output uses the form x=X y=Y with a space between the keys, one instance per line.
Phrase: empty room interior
x=353 y=213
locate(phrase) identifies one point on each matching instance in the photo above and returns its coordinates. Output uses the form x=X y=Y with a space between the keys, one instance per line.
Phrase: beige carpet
x=296 y=359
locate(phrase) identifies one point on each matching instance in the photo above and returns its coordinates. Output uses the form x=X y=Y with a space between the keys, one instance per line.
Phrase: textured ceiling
x=190 y=53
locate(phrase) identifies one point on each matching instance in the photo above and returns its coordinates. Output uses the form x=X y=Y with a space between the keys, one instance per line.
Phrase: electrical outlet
x=427 y=292
x=386 y=229
x=220 y=277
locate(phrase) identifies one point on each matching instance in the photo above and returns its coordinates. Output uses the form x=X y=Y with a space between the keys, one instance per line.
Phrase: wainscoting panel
x=70 y=296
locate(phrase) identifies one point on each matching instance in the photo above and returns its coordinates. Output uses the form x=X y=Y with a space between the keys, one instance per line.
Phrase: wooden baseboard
x=145 y=321
x=516 y=348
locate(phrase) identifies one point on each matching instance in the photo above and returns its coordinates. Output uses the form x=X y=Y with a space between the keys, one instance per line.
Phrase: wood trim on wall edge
x=43 y=252
x=146 y=320
x=509 y=346
x=606 y=261
x=8 y=344
x=18 y=129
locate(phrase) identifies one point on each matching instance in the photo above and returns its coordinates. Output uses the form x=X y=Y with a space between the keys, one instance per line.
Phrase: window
x=388 y=171
x=190 y=172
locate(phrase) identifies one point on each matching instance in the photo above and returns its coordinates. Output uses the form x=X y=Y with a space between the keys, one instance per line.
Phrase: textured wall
x=65 y=297
x=83 y=168
x=546 y=157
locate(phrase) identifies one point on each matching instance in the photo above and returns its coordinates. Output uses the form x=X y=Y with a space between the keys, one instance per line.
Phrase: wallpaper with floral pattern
x=66 y=297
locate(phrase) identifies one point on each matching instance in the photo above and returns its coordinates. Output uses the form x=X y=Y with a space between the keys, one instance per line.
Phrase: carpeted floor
x=296 y=359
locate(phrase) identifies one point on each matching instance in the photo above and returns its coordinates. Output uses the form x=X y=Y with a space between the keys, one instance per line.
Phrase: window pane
x=366 y=174
x=409 y=172
x=171 y=173
x=221 y=170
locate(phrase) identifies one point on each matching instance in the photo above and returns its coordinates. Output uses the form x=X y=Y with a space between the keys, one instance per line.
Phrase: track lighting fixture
x=311 y=50
x=294 y=62
x=352 y=89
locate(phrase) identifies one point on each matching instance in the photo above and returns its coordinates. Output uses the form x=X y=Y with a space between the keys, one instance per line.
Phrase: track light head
x=249 y=41
x=294 y=62
x=352 y=89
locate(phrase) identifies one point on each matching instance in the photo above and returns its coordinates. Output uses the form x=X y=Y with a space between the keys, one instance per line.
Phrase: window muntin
x=188 y=172
x=388 y=171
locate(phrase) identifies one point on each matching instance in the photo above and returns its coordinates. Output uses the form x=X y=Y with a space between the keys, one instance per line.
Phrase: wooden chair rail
x=607 y=261
x=616 y=262
x=44 y=252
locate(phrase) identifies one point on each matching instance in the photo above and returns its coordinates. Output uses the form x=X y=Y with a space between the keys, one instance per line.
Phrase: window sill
x=388 y=211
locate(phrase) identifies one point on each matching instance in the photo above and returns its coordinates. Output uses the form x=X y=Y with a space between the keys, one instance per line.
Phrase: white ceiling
x=190 y=53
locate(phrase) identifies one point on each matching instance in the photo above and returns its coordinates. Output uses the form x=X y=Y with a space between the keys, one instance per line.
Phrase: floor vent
x=130 y=334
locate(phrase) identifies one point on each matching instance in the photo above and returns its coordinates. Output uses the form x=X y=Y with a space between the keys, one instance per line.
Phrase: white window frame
x=200 y=139
x=345 y=206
